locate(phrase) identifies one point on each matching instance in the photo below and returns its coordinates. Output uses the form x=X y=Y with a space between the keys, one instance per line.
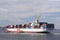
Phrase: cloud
x=3 y=10
x=23 y=11
x=38 y=5
x=53 y=0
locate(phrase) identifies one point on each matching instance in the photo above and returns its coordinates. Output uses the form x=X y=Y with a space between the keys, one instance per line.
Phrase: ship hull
x=25 y=30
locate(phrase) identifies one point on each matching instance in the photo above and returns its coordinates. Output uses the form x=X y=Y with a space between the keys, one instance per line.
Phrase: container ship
x=33 y=27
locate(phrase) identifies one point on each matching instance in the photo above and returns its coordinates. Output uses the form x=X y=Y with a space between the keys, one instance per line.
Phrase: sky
x=24 y=11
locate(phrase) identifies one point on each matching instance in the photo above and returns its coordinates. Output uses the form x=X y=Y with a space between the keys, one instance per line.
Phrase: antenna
x=38 y=16
x=37 y=19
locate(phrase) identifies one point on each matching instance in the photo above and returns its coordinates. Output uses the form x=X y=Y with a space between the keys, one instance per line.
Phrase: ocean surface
x=53 y=35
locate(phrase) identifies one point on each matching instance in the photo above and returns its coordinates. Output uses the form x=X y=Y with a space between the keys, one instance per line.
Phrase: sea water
x=53 y=35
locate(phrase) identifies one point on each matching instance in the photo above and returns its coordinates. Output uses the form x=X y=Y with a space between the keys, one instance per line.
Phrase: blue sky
x=24 y=11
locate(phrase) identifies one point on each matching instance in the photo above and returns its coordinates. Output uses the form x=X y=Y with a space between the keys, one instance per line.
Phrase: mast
x=37 y=19
x=35 y=22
